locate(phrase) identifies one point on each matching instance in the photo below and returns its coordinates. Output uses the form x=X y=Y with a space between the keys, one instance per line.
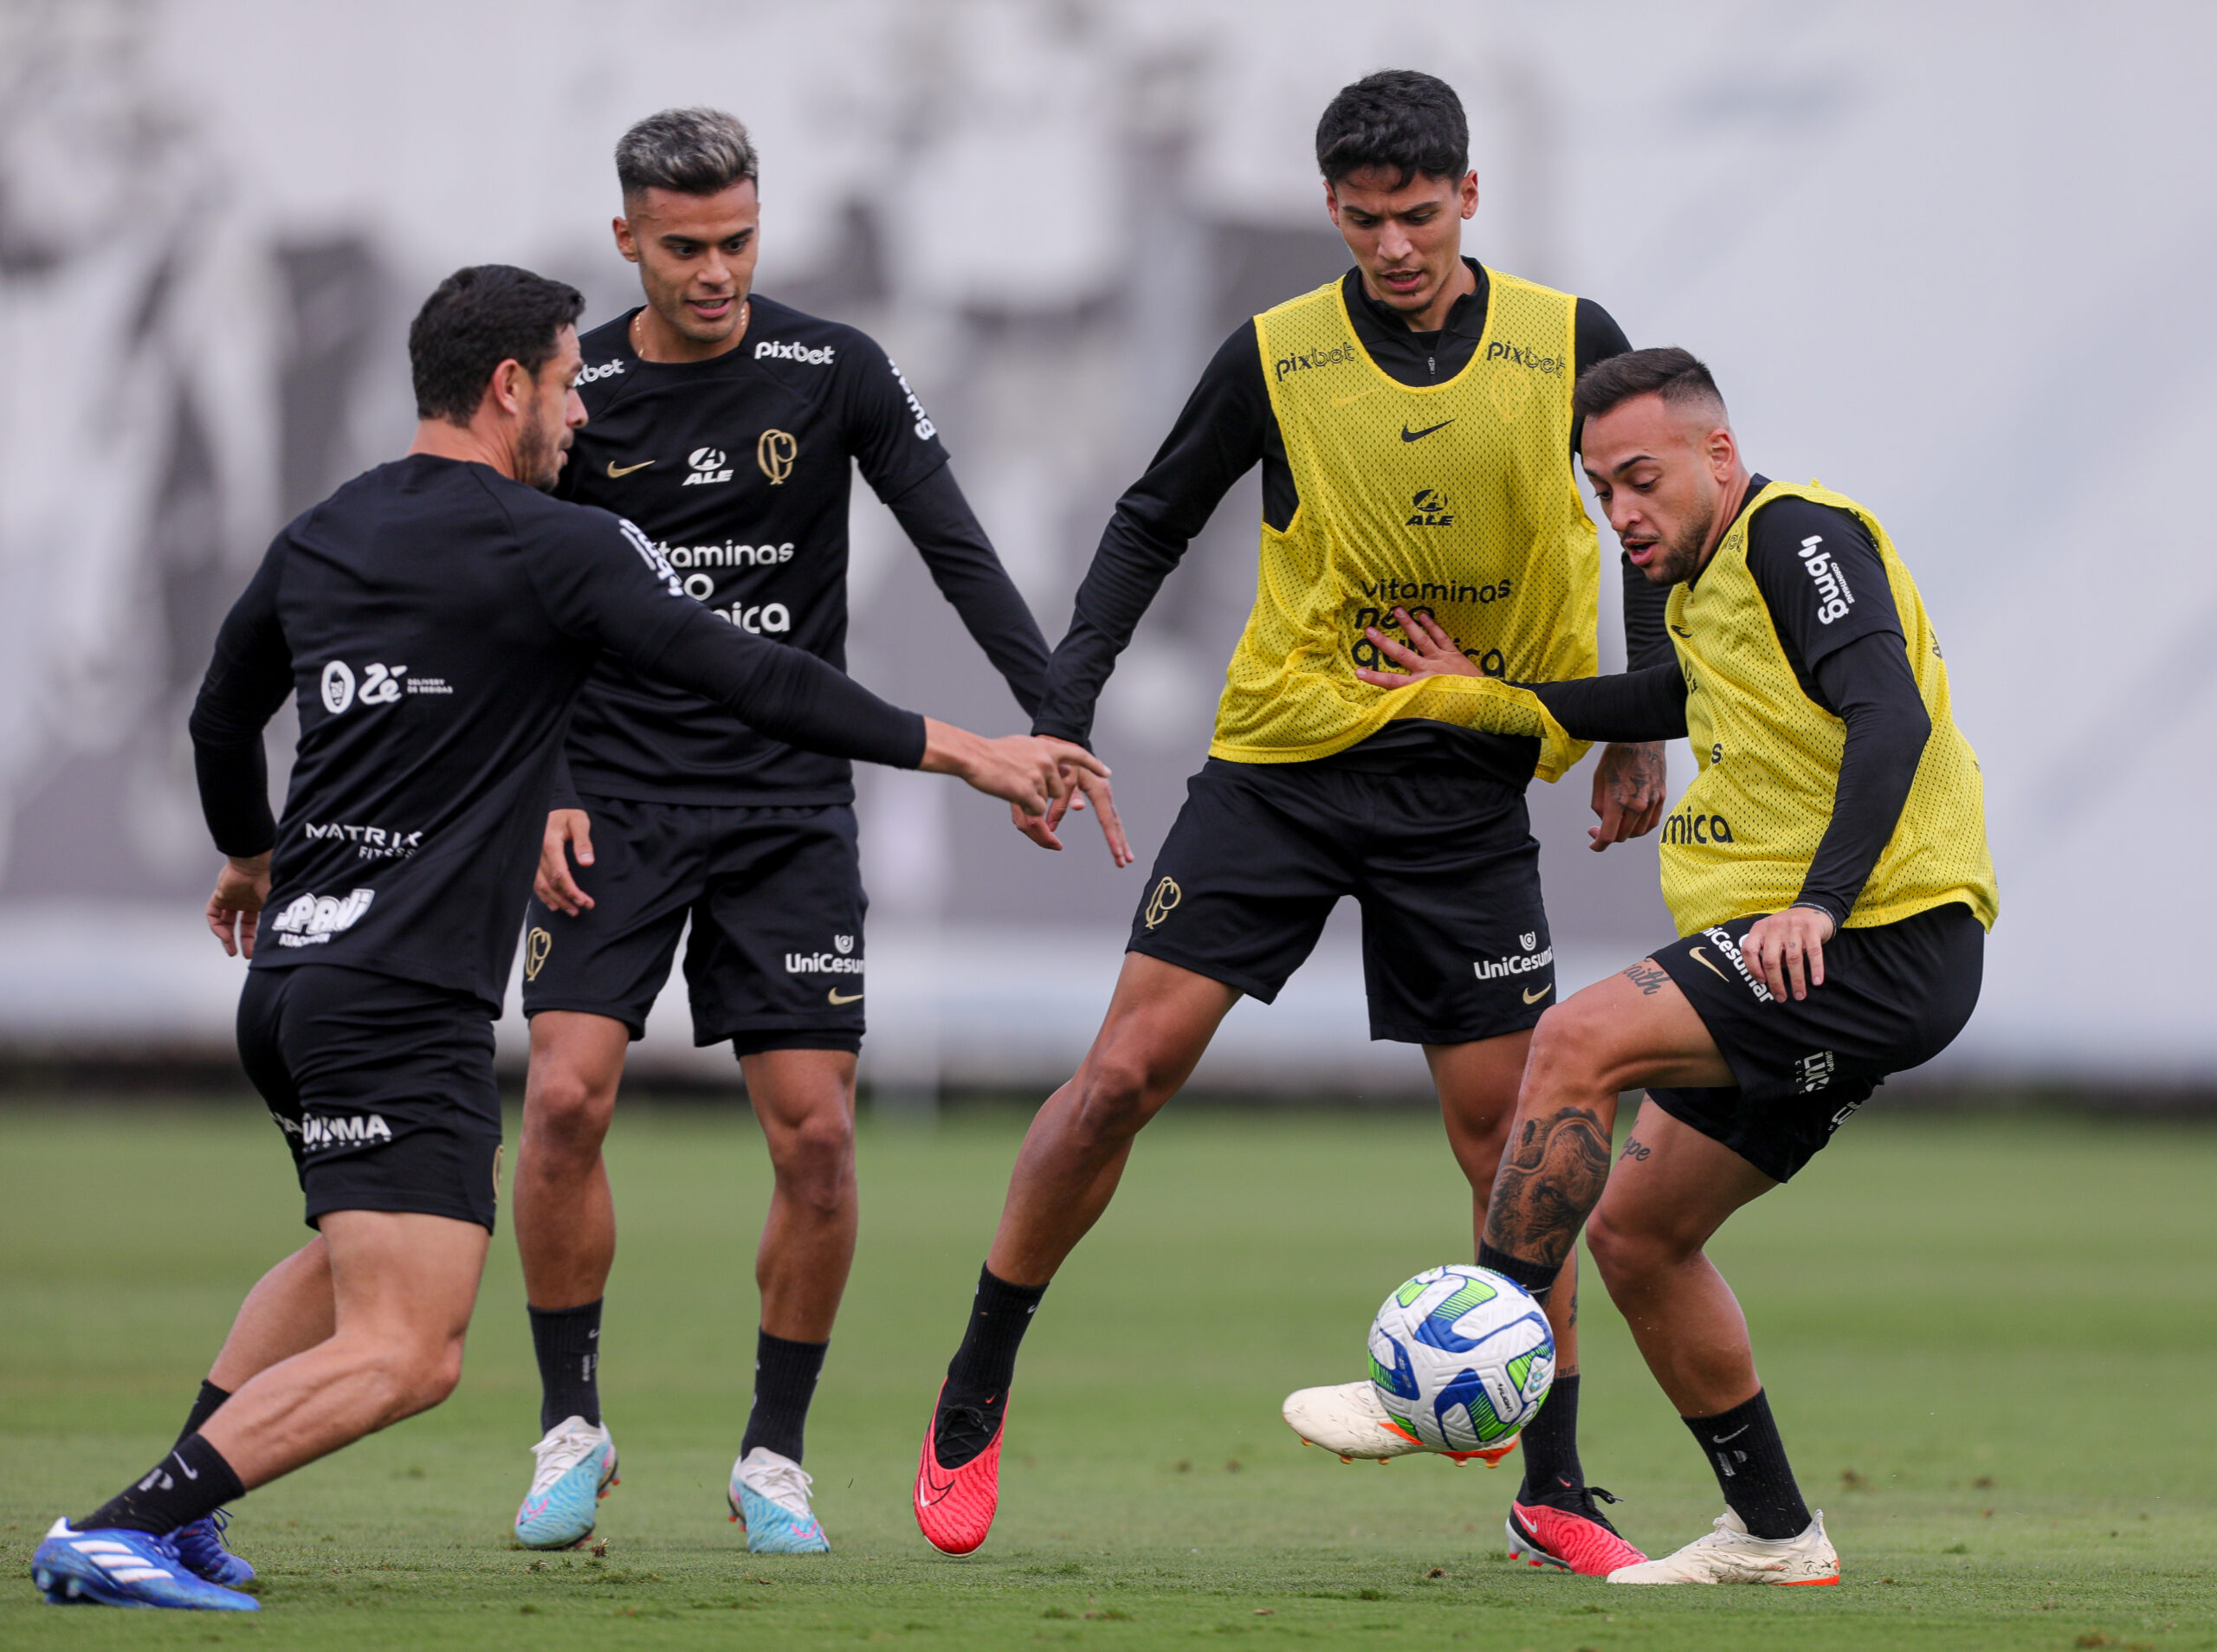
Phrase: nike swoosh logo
x=1534 y=997
x=1695 y=953
x=181 y=1464
x=1408 y=435
x=1681 y=630
x=1348 y=401
x=837 y=997
x=1734 y=1434
x=614 y=470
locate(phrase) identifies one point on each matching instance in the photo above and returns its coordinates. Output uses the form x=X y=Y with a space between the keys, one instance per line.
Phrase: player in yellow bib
x=1414 y=425
x=1829 y=876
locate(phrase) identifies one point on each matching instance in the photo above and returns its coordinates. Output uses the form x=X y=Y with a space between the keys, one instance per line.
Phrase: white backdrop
x=1951 y=259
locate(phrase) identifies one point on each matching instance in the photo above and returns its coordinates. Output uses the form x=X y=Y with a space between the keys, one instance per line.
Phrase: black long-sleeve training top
x=741 y=468
x=1856 y=668
x=1226 y=427
x=435 y=621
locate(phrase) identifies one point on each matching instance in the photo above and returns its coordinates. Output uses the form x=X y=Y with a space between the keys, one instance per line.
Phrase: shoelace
x=784 y=1483
x=556 y=1458
x=219 y=1521
x=963 y=1434
x=1584 y=1506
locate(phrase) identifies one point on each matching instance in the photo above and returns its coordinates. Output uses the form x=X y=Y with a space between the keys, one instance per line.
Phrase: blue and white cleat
x=576 y=1466
x=201 y=1546
x=119 y=1568
x=769 y=1499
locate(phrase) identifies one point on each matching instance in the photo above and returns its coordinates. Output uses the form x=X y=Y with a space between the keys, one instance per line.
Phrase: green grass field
x=1989 y=1340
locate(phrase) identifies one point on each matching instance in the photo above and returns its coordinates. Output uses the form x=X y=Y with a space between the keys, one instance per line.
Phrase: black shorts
x=384 y=1088
x=775 y=897
x=1455 y=944
x=1894 y=996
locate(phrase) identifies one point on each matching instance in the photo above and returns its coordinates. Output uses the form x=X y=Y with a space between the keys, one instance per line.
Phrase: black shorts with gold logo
x=384 y=1088
x=1455 y=942
x=773 y=893
x=1894 y=996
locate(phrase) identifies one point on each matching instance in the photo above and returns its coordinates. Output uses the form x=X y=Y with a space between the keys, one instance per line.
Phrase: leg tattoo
x=1550 y=1179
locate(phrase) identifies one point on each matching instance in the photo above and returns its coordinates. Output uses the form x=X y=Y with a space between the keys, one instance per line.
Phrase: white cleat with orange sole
x=1347 y=1419
x=1730 y=1555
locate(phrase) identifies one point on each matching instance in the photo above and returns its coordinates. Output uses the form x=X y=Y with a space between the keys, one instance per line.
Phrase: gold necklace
x=746 y=315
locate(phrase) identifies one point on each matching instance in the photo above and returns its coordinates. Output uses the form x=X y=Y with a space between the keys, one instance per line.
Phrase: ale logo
x=1162 y=902
x=708 y=465
x=775 y=452
x=1431 y=509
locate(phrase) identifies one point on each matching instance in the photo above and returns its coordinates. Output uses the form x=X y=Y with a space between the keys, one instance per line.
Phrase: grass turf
x=1988 y=1340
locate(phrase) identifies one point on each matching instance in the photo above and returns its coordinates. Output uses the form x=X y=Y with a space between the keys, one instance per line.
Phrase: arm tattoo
x=1550 y=1179
x=1650 y=978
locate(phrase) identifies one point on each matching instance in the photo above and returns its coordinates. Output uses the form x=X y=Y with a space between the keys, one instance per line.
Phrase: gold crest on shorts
x=536 y=945
x=1164 y=898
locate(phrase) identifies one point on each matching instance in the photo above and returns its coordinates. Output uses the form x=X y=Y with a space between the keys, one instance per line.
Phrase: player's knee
x=1115 y=1094
x=814 y=1160
x=1627 y=1252
x=569 y=1112
x=424 y=1372
x=1569 y=1048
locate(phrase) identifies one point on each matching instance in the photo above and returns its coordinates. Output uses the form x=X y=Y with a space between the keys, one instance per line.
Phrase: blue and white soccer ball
x=1461 y=1357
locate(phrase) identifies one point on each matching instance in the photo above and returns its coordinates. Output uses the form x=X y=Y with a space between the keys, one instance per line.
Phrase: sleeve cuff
x=1497 y=707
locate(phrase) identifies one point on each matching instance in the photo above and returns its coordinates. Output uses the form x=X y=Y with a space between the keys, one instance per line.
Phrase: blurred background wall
x=1953 y=259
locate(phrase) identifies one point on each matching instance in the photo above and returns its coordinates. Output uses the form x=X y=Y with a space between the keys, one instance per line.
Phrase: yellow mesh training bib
x=1456 y=498
x=1742 y=839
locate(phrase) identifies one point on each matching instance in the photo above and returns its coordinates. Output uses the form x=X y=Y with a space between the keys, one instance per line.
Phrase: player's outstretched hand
x=1789 y=946
x=1089 y=786
x=569 y=832
x=234 y=910
x=1429 y=652
x=1630 y=784
x=1031 y=772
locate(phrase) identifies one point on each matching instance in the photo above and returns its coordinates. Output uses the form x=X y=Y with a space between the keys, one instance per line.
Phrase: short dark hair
x=1677 y=376
x=479 y=317
x=1402 y=119
x=691 y=152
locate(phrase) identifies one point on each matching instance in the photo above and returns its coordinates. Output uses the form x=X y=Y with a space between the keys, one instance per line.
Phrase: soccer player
x=1414 y=427
x=434 y=619
x=726 y=425
x=1829 y=875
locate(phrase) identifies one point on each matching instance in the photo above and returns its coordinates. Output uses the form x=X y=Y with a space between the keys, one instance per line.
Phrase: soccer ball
x=1461 y=1357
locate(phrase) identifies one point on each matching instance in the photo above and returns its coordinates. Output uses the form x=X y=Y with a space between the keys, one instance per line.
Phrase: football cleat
x=1570 y=1540
x=576 y=1466
x=201 y=1546
x=1346 y=1418
x=769 y=1499
x=955 y=1506
x=1730 y=1555
x=122 y=1568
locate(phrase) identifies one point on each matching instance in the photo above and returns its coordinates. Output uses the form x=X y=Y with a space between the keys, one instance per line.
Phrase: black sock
x=1742 y=1446
x=976 y=1394
x=210 y=1401
x=785 y=1382
x=568 y=1341
x=192 y=1481
x=1552 y=1471
x=1536 y=1277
